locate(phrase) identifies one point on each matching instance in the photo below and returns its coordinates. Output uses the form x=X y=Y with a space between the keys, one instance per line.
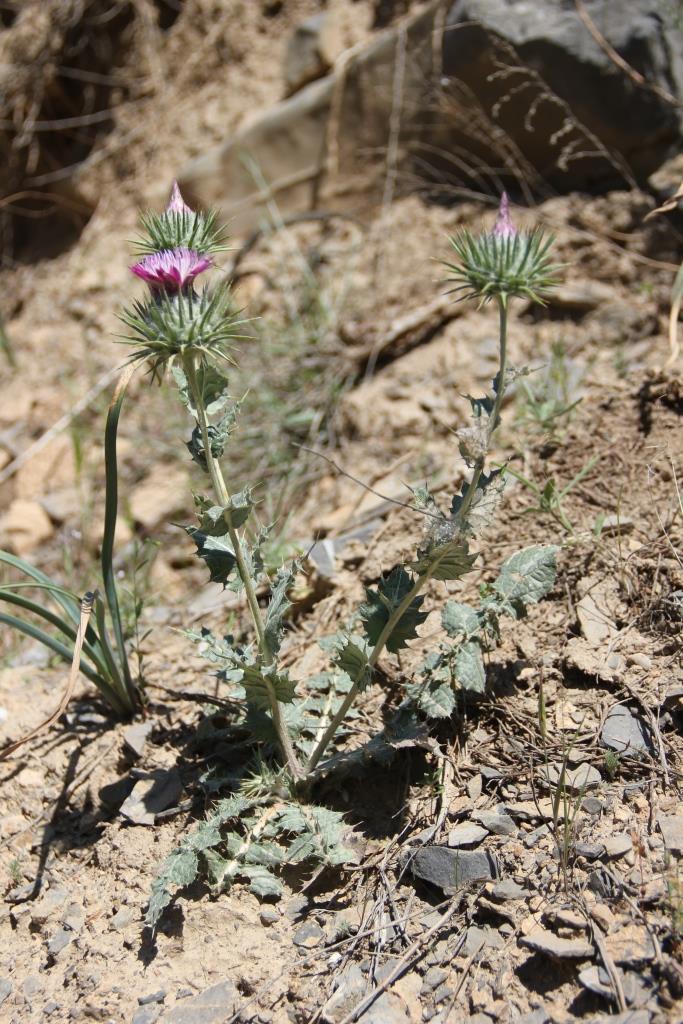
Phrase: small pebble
x=268 y=916
x=434 y=977
x=591 y=805
x=591 y=851
x=308 y=935
x=153 y=997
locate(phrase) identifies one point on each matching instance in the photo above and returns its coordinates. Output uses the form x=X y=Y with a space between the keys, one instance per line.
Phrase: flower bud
x=503 y=228
x=176 y=203
x=171 y=269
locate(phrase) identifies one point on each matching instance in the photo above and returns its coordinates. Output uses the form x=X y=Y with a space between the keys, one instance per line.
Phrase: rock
x=508 y=889
x=466 y=835
x=308 y=935
x=268 y=916
x=153 y=997
x=158 y=496
x=434 y=977
x=591 y=851
x=304 y=59
x=671 y=827
x=580 y=296
x=591 y=805
x=595 y=620
x=156 y=791
x=212 y=1006
x=552 y=41
x=535 y=836
x=24 y=526
x=450 y=870
x=625 y=732
x=596 y=979
x=114 y=793
x=442 y=993
x=151 y=1014
x=543 y=941
x=631 y=945
x=122 y=918
x=387 y=1009
x=351 y=986
x=538 y=1016
x=497 y=824
x=59 y=941
x=617 y=846
x=583 y=777
x=296 y=907
x=135 y=736
x=5 y=989
x=33 y=985
x=47 y=906
x=478 y=938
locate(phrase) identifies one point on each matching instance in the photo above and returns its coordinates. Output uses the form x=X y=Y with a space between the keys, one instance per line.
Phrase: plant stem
x=223 y=495
x=421 y=580
x=495 y=412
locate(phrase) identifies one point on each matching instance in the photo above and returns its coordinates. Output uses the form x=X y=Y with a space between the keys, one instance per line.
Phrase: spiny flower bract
x=180 y=227
x=171 y=269
x=503 y=262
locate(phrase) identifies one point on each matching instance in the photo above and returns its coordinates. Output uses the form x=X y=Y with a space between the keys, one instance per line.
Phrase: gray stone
x=537 y=1016
x=135 y=736
x=508 y=889
x=531 y=838
x=212 y=1006
x=59 y=941
x=625 y=732
x=268 y=916
x=51 y=1007
x=583 y=777
x=153 y=997
x=450 y=870
x=350 y=987
x=44 y=908
x=295 y=908
x=154 y=792
x=466 y=835
x=122 y=918
x=388 y=1009
x=591 y=851
x=618 y=846
x=479 y=938
x=434 y=977
x=304 y=59
x=552 y=40
x=5 y=989
x=32 y=986
x=591 y=805
x=497 y=824
x=671 y=827
x=543 y=941
x=73 y=917
x=308 y=935
x=151 y=1014
x=443 y=993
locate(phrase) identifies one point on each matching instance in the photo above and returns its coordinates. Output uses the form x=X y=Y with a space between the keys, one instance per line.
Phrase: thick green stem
x=223 y=495
x=420 y=582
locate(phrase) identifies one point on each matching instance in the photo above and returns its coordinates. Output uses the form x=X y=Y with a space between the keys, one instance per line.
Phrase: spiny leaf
x=352 y=657
x=383 y=602
x=446 y=554
x=261 y=686
x=434 y=697
x=213 y=386
x=486 y=499
x=528 y=575
x=279 y=605
x=459 y=620
x=217 y=552
x=469 y=667
x=218 y=437
x=262 y=882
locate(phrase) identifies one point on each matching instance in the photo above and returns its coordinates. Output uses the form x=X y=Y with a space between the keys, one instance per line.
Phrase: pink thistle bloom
x=171 y=269
x=176 y=203
x=504 y=228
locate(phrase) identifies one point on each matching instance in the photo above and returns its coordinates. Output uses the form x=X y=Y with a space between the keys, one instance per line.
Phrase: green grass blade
x=49 y=641
x=7 y=595
x=110 y=516
x=67 y=601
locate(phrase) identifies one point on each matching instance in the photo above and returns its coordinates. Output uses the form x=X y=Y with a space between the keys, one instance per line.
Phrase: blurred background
x=342 y=142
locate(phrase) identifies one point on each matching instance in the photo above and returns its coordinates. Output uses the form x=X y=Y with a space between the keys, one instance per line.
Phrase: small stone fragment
x=543 y=941
x=450 y=870
x=585 y=776
x=308 y=935
x=625 y=732
x=477 y=938
x=59 y=941
x=497 y=824
x=617 y=846
x=5 y=989
x=596 y=979
x=135 y=736
x=631 y=945
x=508 y=889
x=466 y=835
x=155 y=792
x=591 y=805
x=534 y=837
x=212 y=1006
x=122 y=918
x=296 y=906
x=434 y=977
x=268 y=916
x=671 y=827
x=24 y=526
x=151 y=1014
x=153 y=997
x=591 y=851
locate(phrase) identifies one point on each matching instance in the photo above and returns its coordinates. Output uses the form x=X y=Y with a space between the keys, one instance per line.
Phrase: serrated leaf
x=279 y=605
x=212 y=384
x=459 y=620
x=352 y=657
x=447 y=559
x=434 y=698
x=216 y=552
x=262 y=882
x=383 y=602
x=260 y=687
x=177 y=871
x=469 y=668
x=267 y=854
x=528 y=575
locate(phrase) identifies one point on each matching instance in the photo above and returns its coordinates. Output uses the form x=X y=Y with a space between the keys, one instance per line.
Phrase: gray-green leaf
x=528 y=575
x=459 y=620
x=469 y=667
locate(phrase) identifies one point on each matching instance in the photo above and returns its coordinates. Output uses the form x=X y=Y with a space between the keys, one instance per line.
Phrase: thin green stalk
x=419 y=583
x=223 y=495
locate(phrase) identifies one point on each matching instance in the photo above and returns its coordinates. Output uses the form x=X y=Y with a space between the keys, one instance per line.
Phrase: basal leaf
x=469 y=667
x=262 y=882
x=433 y=697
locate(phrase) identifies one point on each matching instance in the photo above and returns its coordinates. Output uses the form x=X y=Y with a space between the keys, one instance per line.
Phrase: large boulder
x=465 y=95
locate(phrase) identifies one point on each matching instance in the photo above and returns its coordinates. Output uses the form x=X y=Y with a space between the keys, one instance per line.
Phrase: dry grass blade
x=86 y=611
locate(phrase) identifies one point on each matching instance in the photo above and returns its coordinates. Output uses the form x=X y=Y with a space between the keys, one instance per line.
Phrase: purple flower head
x=504 y=228
x=176 y=203
x=171 y=269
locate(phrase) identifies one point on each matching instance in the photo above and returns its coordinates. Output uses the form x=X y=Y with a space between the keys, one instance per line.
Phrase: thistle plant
x=295 y=729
